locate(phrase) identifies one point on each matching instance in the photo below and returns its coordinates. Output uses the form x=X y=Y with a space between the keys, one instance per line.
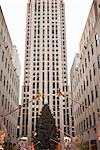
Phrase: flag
x=38 y=96
x=59 y=93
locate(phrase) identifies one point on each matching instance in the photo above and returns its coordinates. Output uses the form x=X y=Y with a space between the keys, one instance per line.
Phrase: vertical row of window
x=7 y=106
x=86 y=123
x=86 y=75
x=10 y=72
x=25 y=110
x=25 y=121
x=56 y=108
x=63 y=46
x=8 y=88
x=10 y=76
x=93 y=93
x=87 y=61
x=9 y=80
x=85 y=65
x=87 y=102
x=28 y=43
x=11 y=128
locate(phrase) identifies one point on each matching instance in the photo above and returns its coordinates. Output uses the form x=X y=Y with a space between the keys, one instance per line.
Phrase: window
x=92 y=97
x=83 y=106
x=87 y=80
x=85 y=63
x=98 y=110
x=6 y=63
x=90 y=75
x=88 y=56
x=7 y=86
x=81 y=89
x=83 y=68
x=90 y=120
x=1 y=75
x=92 y=49
x=98 y=59
x=80 y=73
x=2 y=100
x=84 y=124
x=4 y=80
x=96 y=91
x=88 y=100
x=8 y=68
x=87 y=122
x=97 y=39
x=6 y=103
x=85 y=103
x=81 y=126
x=2 y=56
x=84 y=85
x=94 y=69
x=94 y=120
x=35 y=7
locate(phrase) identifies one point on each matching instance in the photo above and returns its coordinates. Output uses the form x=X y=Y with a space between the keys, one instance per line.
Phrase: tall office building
x=9 y=82
x=85 y=81
x=45 y=63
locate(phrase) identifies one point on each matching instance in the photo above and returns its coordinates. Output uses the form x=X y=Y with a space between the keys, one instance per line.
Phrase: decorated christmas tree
x=46 y=135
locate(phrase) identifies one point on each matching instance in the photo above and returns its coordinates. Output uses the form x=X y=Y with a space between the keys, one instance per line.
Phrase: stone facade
x=85 y=80
x=9 y=81
x=45 y=64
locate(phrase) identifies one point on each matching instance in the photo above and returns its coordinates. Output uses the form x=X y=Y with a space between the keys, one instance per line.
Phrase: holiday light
x=2 y=136
x=59 y=93
x=77 y=140
x=37 y=97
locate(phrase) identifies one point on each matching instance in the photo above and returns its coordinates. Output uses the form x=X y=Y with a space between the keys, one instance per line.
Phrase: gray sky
x=76 y=16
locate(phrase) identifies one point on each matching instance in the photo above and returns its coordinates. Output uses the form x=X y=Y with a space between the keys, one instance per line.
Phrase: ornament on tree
x=46 y=130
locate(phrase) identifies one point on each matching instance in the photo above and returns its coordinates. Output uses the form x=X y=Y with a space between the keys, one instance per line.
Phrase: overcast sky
x=76 y=16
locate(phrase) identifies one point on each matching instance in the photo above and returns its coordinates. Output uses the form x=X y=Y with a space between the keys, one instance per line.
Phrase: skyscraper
x=45 y=63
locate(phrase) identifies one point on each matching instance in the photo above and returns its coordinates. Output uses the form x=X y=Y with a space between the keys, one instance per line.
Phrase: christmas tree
x=46 y=135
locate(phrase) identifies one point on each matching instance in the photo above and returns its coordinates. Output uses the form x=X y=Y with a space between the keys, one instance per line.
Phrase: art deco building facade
x=85 y=80
x=9 y=80
x=45 y=63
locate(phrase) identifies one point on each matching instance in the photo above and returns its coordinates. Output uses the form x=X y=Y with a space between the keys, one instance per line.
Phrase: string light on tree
x=2 y=136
